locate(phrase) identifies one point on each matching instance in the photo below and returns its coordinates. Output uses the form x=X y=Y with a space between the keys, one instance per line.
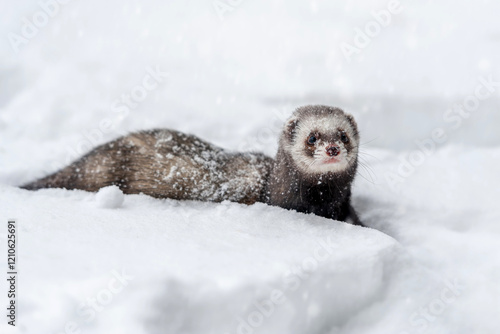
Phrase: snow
x=427 y=189
x=109 y=197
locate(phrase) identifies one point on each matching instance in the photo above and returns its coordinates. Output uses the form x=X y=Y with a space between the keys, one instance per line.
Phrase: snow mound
x=109 y=197
x=210 y=267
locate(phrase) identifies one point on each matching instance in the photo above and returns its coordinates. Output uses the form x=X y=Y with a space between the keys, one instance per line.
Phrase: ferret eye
x=344 y=137
x=311 y=140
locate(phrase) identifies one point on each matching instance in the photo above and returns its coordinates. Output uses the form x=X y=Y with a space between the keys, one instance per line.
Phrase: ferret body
x=312 y=173
x=166 y=164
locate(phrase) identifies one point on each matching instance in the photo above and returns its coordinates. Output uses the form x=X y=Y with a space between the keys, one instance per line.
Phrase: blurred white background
x=227 y=75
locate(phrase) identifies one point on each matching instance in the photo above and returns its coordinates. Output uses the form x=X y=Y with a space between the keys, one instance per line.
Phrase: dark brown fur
x=166 y=164
x=327 y=194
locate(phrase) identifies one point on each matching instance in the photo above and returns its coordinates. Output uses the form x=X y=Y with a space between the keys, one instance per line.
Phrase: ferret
x=316 y=163
x=312 y=173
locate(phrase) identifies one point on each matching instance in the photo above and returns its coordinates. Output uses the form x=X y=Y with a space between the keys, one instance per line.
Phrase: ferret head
x=321 y=139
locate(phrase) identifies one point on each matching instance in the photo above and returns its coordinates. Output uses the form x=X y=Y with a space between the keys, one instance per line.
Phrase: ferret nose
x=333 y=151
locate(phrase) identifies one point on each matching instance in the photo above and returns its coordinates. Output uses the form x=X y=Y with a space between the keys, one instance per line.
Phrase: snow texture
x=425 y=95
x=109 y=197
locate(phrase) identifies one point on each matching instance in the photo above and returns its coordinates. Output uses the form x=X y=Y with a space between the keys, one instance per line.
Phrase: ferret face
x=322 y=139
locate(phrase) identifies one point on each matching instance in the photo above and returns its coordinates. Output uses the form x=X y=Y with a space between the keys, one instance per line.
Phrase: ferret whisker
x=362 y=154
x=371 y=174
x=368 y=142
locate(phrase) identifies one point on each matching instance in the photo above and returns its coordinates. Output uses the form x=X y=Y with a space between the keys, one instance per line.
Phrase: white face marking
x=321 y=162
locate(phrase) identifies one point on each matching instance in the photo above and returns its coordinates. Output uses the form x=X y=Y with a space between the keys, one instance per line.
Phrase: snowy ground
x=429 y=261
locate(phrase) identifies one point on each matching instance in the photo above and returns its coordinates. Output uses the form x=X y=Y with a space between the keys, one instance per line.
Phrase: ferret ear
x=352 y=121
x=290 y=128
